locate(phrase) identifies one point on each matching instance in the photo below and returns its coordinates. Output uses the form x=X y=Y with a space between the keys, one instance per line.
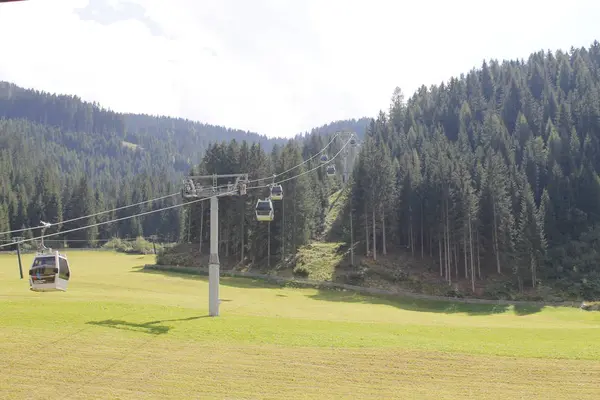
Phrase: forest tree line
x=51 y=184
x=63 y=158
x=494 y=173
x=299 y=216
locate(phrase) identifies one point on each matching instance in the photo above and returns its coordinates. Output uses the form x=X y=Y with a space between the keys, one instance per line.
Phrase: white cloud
x=275 y=67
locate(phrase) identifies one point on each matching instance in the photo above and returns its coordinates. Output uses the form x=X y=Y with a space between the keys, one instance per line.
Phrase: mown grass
x=119 y=332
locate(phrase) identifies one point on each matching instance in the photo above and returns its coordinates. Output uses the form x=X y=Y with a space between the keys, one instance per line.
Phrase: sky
x=275 y=67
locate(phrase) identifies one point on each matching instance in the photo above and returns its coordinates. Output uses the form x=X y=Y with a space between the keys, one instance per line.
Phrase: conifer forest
x=494 y=173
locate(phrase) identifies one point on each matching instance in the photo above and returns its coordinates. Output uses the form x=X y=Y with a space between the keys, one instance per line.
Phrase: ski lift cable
x=296 y=166
x=100 y=213
x=160 y=209
x=302 y=163
x=317 y=167
x=12 y=241
x=305 y=172
x=95 y=214
x=114 y=220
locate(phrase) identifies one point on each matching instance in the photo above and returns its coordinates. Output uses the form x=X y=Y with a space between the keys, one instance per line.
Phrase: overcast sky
x=277 y=67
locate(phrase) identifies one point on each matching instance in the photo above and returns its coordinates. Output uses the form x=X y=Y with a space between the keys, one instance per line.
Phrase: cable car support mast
x=205 y=186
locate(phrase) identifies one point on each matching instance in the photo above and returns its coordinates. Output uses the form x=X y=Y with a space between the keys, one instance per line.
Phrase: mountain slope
x=489 y=183
x=494 y=176
x=60 y=144
x=178 y=142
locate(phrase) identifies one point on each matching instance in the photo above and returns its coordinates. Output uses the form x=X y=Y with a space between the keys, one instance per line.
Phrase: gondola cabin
x=331 y=170
x=276 y=192
x=49 y=272
x=264 y=210
x=324 y=158
x=353 y=142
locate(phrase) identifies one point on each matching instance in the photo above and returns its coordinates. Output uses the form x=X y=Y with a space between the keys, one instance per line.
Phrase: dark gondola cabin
x=331 y=170
x=264 y=210
x=324 y=158
x=49 y=272
x=277 y=192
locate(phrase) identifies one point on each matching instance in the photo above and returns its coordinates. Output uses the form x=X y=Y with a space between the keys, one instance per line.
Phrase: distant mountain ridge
x=123 y=157
x=188 y=139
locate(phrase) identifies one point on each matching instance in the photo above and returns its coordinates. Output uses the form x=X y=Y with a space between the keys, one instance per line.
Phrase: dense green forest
x=492 y=174
x=63 y=158
x=306 y=191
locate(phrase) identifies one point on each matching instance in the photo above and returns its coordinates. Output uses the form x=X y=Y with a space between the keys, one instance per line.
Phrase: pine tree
x=82 y=203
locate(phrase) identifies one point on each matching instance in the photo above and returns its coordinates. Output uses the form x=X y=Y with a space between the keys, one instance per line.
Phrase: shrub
x=301 y=272
x=399 y=275
x=454 y=292
x=357 y=277
x=501 y=290
x=138 y=246
x=142 y=246
x=116 y=244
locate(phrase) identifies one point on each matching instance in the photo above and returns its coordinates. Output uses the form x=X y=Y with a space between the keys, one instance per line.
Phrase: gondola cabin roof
x=50 y=254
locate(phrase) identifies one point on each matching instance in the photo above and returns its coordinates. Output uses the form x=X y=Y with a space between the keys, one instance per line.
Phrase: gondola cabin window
x=64 y=272
x=44 y=270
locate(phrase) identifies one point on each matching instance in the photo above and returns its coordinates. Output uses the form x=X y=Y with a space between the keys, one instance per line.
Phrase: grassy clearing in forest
x=122 y=333
x=336 y=202
x=318 y=260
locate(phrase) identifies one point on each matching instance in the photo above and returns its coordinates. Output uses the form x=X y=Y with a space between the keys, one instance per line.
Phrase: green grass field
x=121 y=333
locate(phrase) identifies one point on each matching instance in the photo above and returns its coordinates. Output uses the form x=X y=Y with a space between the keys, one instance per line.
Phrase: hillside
x=62 y=158
x=359 y=126
x=494 y=175
x=178 y=141
x=489 y=183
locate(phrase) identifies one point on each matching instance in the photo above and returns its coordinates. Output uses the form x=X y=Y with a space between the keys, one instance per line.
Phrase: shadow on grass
x=410 y=304
x=528 y=309
x=151 y=327
x=238 y=282
x=406 y=303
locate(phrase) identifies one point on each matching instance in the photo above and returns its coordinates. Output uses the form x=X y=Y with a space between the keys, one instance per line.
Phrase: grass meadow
x=122 y=333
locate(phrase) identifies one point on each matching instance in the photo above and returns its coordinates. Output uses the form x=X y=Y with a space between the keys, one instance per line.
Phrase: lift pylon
x=213 y=187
